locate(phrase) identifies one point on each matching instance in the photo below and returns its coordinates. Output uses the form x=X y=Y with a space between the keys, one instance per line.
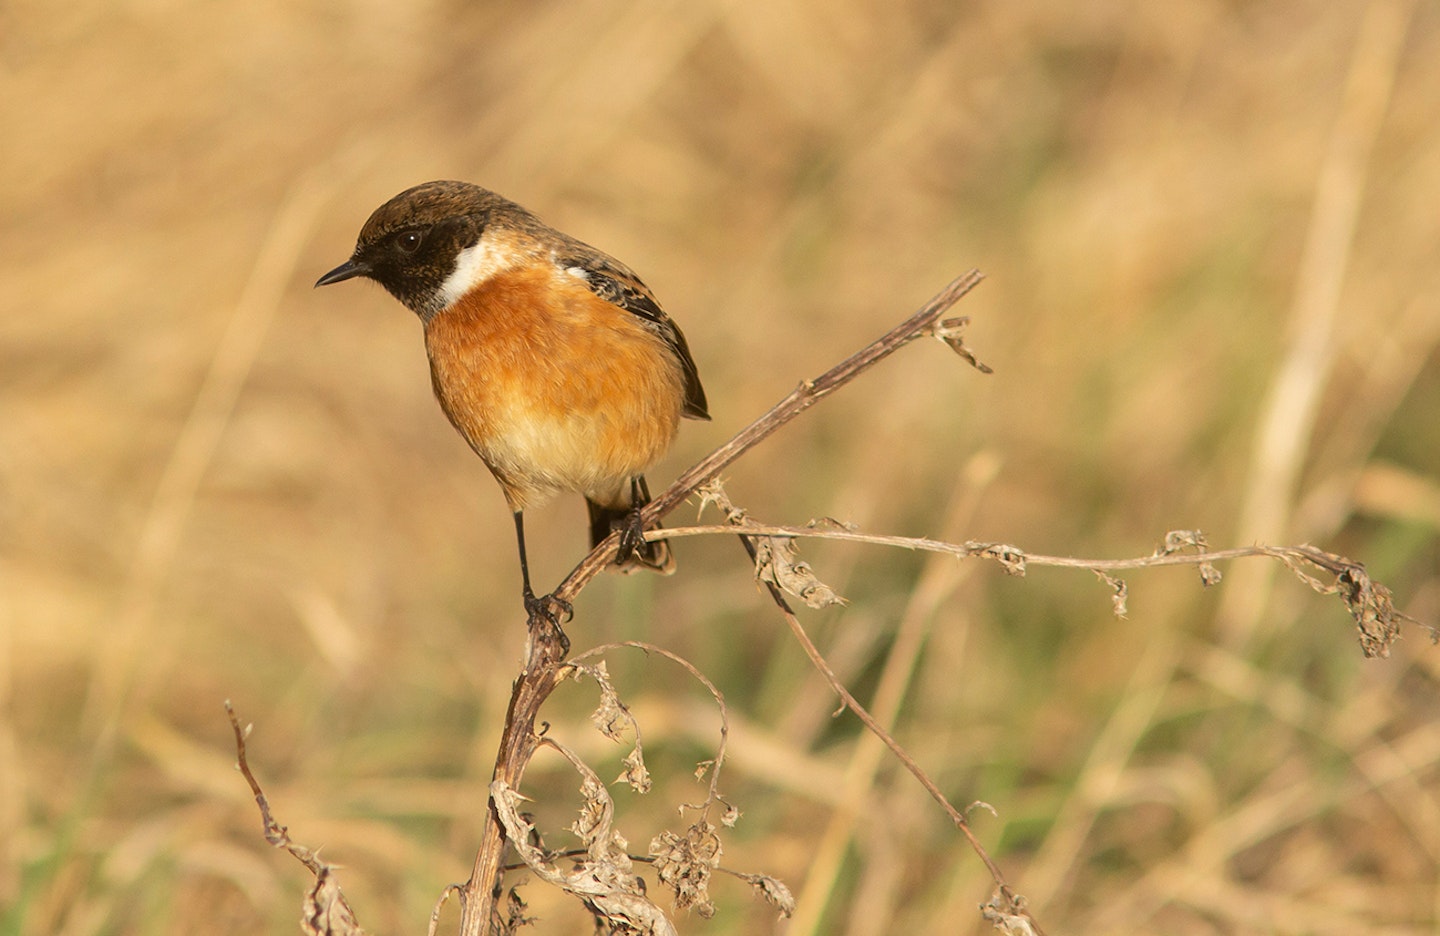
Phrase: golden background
x=1210 y=232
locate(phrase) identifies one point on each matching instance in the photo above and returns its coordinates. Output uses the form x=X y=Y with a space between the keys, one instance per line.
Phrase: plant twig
x=327 y=912
x=1370 y=603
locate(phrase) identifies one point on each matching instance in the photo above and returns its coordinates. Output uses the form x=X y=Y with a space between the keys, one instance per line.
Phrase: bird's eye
x=409 y=242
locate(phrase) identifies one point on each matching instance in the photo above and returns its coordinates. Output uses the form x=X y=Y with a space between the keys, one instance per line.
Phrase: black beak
x=347 y=270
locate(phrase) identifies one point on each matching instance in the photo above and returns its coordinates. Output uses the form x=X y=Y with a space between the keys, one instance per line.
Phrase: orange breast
x=555 y=388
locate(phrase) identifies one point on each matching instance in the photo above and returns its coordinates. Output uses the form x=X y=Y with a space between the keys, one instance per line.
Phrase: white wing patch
x=475 y=265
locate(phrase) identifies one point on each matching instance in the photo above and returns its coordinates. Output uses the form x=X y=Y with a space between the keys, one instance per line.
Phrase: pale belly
x=592 y=453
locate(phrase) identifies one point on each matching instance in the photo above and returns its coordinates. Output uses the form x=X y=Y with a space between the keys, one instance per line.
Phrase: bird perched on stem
x=551 y=358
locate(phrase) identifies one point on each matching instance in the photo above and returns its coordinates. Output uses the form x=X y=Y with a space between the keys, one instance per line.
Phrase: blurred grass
x=307 y=537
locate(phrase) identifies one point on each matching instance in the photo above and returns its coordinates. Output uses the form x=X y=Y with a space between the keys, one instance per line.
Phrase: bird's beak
x=347 y=270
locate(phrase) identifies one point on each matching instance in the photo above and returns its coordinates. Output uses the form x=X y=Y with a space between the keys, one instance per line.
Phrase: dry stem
x=327 y=913
x=1370 y=603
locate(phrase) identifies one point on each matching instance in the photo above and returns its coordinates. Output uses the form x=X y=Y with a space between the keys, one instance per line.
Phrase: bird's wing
x=614 y=282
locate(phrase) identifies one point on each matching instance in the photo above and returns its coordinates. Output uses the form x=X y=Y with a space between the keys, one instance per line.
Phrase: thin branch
x=327 y=912
x=275 y=833
x=974 y=549
x=1370 y=603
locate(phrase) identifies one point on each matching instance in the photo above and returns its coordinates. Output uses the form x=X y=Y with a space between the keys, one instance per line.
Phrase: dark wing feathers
x=615 y=283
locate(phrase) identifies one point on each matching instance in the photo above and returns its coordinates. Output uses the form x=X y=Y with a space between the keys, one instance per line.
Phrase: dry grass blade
x=194 y=449
x=1292 y=405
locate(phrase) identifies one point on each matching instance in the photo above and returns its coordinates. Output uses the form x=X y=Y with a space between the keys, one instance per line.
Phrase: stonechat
x=552 y=359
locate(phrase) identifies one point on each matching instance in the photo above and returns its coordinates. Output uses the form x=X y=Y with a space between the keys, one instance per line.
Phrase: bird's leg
x=632 y=534
x=548 y=608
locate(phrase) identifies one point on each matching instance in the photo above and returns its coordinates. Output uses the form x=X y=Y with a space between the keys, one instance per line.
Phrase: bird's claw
x=550 y=612
x=632 y=537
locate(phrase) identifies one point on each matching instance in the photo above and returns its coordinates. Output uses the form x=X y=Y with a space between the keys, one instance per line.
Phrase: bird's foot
x=549 y=613
x=632 y=537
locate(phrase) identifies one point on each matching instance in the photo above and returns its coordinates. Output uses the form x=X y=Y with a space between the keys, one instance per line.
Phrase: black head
x=411 y=244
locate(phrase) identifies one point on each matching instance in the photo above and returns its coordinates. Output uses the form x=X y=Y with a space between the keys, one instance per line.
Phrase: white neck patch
x=475 y=265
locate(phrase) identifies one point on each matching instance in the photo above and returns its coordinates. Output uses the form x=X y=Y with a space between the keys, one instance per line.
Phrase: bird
x=552 y=359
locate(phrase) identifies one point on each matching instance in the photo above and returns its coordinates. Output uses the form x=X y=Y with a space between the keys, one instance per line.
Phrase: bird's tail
x=605 y=520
